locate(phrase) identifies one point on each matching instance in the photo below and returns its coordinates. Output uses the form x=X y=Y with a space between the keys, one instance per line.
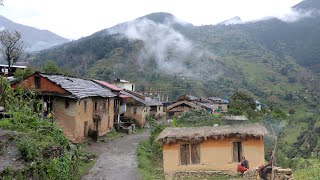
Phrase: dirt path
x=117 y=160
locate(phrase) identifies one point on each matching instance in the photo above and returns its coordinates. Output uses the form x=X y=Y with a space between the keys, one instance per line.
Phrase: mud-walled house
x=211 y=148
x=78 y=105
x=177 y=108
x=139 y=107
x=120 y=106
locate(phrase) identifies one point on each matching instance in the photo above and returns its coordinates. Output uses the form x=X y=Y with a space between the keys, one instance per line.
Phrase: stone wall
x=279 y=174
x=200 y=174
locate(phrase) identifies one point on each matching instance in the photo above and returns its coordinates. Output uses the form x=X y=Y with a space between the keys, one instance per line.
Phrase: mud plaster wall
x=65 y=117
x=45 y=85
x=215 y=155
x=140 y=115
x=73 y=118
x=179 y=109
x=86 y=115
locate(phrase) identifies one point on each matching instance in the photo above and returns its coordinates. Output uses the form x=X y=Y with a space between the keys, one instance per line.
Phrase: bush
x=197 y=118
x=149 y=154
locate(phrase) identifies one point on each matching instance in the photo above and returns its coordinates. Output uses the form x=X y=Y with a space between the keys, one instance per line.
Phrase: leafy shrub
x=197 y=118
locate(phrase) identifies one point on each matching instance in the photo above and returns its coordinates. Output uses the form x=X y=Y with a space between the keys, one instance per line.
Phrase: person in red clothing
x=243 y=166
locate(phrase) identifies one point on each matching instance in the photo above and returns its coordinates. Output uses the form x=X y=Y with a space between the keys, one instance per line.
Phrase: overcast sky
x=77 y=18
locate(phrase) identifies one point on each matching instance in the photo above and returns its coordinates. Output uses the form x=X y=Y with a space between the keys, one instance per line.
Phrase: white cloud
x=76 y=18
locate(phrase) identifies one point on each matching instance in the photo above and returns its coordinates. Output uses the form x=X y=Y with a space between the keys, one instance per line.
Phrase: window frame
x=239 y=152
x=37 y=82
x=190 y=160
x=66 y=103
x=85 y=106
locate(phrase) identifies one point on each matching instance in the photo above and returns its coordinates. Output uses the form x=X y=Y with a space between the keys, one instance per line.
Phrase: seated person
x=268 y=167
x=244 y=166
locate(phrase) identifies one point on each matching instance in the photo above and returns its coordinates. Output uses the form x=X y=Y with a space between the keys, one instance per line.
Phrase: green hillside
x=277 y=62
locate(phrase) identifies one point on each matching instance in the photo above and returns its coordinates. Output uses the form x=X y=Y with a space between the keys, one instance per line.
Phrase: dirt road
x=117 y=160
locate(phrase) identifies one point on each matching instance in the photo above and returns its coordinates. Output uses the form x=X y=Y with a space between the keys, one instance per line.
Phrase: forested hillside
x=273 y=59
x=276 y=61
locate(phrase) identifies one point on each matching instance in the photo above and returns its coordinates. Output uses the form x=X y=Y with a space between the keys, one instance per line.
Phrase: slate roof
x=147 y=101
x=193 y=105
x=108 y=85
x=79 y=88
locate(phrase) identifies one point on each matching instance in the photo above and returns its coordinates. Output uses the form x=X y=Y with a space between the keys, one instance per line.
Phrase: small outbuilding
x=211 y=148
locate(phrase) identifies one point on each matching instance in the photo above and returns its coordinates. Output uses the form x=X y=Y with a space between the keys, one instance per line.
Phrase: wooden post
x=273 y=153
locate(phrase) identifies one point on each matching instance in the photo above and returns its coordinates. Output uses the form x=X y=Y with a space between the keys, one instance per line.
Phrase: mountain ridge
x=34 y=39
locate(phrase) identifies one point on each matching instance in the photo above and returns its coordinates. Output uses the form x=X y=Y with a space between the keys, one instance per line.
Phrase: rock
x=285 y=171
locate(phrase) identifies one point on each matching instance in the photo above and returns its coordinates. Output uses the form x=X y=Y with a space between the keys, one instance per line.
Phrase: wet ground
x=117 y=159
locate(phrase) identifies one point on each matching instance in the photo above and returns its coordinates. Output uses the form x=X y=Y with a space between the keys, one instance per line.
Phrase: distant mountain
x=269 y=58
x=234 y=20
x=308 y=5
x=34 y=39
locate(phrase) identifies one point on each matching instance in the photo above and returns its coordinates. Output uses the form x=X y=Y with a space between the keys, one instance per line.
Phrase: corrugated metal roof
x=79 y=88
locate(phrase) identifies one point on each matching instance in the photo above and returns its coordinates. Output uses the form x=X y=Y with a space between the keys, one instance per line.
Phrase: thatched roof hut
x=198 y=134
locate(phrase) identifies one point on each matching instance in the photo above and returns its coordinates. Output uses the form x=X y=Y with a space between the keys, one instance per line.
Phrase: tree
x=242 y=103
x=51 y=67
x=12 y=47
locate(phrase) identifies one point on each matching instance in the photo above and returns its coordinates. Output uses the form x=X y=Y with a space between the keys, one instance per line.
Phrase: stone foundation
x=200 y=174
x=279 y=174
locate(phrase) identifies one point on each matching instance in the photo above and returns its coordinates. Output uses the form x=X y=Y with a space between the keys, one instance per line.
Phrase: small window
x=66 y=103
x=37 y=82
x=135 y=110
x=104 y=106
x=85 y=106
x=189 y=154
x=95 y=106
x=237 y=151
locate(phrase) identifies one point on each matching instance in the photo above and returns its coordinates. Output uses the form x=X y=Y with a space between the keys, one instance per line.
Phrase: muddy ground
x=117 y=158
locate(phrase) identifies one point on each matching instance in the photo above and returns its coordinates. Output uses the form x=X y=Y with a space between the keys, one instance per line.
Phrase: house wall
x=73 y=118
x=45 y=85
x=140 y=115
x=128 y=86
x=215 y=155
x=65 y=117
x=178 y=110
x=224 y=107
x=160 y=111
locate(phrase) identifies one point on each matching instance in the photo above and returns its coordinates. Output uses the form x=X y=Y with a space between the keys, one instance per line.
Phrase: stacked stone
x=203 y=174
x=279 y=174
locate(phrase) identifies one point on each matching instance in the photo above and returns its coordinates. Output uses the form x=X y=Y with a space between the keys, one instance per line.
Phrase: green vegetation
x=51 y=67
x=197 y=118
x=43 y=147
x=149 y=154
x=271 y=61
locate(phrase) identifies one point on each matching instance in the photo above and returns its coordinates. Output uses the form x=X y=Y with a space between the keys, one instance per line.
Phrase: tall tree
x=11 y=47
x=51 y=67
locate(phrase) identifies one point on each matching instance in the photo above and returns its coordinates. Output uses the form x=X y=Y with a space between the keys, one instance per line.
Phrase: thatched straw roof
x=199 y=134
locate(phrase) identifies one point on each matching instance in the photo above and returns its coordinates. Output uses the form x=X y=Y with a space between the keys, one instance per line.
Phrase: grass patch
x=85 y=167
x=114 y=135
x=148 y=167
x=292 y=132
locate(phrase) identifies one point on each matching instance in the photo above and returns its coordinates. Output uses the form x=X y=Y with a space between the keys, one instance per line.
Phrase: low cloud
x=173 y=53
x=296 y=15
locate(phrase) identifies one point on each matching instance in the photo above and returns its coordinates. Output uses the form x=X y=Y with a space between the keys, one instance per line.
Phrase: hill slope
x=263 y=57
x=34 y=39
